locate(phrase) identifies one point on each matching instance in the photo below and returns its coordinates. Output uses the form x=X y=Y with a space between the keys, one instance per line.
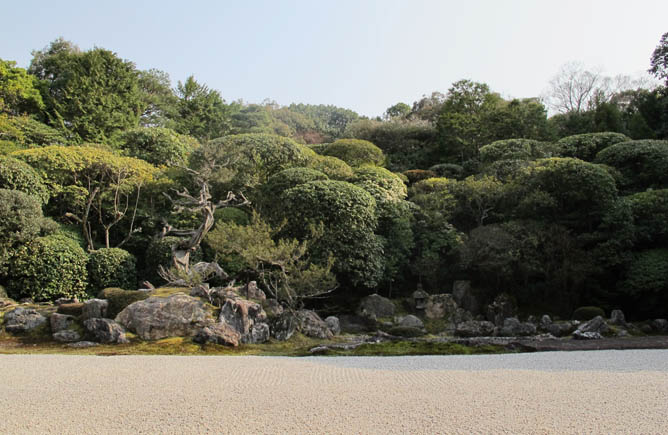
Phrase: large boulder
x=475 y=328
x=94 y=309
x=67 y=336
x=247 y=318
x=512 y=327
x=105 y=331
x=353 y=324
x=272 y=307
x=220 y=333
x=411 y=321
x=440 y=306
x=617 y=318
x=376 y=306
x=333 y=324
x=178 y=315
x=464 y=296
x=311 y=325
x=500 y=309
x=284 y=326
x=596 y=325
x=60 y=322
x=660 y=325
x=560 y=329
x=251 y=291
x=21 y=320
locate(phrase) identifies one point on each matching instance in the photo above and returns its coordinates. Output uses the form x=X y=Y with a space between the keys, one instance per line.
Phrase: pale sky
x=365 y=55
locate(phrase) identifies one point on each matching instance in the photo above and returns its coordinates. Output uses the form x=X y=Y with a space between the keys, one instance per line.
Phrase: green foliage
x=477 y=200
x=415 y=175
x=569 y=191
x=89 y=95
x=448 y=170
x=648 y=273
x=18 y=175
x=21 y=220
x=586 y=146
x=659 y=59
x=348 y=214
x=587 y=313
x=111 y=267
x=642 y=163
x=18 y=94
x=355 y=152
x=379 y=182
x=157 y=145
x=231 y=215
x=399 y=110
x=248 y=160
x=159 y=101
x=119 y=298
x=282 y=266
x=26 y=132
x=434 y=196
x=281 y=181
x=334 y=168
x=48 y=268
x=200 y=112
x=330 y=121
x=407 y=144
x=515 y=149
x=650 y=215
x=436 y=245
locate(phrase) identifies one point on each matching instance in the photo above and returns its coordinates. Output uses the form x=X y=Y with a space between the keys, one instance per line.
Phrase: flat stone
x=67 y=336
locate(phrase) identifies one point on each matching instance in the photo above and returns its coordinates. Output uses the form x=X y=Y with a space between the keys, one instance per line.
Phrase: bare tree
x=574 y=89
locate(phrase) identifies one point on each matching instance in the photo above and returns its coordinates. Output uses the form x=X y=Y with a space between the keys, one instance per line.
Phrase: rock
x=560 y=329
x=464 y=296
x=272 y=307
x=6 y=302
x=545 y=321
x=512 y=327
x=245 y=316
x=105 y=331
x=500 y=309
x=260 y=333
x=178 y=315
x=647 y=329
x=411 y=321
x=73 y=309
x=420 y=299
x=26 y=301
x=376 y=306
x=353 y=324
x=219 y=333
x=660 y=325
x=617 y=318
x=440 y=306
x=406 y=331
x=284 y=326
x=201 y=291
x=597 y=325
x=219 y=295
x=61 y=301
x=60 y=322
x=94 y=309
x=580 y=335
x=532 y=319
x=461 y=315
x=623 y=333
x=66 y=336
x=333 y=324
x=311 y=325
x=83 y=344
x=21 y=320
x=251 y=291
x=474 y=328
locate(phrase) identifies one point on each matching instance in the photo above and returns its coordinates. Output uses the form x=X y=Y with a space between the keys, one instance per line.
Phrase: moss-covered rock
x=119 y=299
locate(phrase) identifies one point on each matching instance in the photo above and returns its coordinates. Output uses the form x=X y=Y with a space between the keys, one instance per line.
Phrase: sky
x=364 y=55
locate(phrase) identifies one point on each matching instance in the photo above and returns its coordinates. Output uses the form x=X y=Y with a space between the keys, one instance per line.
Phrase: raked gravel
x=560 y=392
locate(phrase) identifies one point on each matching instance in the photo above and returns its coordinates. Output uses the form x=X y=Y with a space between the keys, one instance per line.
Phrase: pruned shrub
x=355 y=152
x=415 y=175
x=642 y=163
x=586 y=146
x=18 y=175
x=587 y=313
x=448 y=170
x=48 y=268
x=112 y=267
x=157 y=145
x=119 y=299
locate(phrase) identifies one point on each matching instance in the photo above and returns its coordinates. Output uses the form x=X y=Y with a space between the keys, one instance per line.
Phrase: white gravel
x=560 y=392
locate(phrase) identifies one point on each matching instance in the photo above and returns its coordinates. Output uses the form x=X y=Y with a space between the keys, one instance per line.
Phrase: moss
x=416 y=348
x=71 y=309
x=405 y=331
x=119 y=299
x=435 y=326
x=164 y=292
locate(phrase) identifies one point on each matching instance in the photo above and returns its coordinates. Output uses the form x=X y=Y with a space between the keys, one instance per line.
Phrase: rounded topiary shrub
x=586 y=146
x=587 y=313
x=112 y=267
x=415 y=175
x=18 y=175
x=48 y=268
x=119 y=299
x=642 y=163
x=448 y=170
x=355 y=152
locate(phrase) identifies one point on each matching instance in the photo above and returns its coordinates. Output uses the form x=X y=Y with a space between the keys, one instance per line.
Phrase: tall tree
x=659 y=59
x=201 y=112
x=18 y=94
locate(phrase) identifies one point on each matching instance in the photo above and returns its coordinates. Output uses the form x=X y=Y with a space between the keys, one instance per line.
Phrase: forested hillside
x=100 y=164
